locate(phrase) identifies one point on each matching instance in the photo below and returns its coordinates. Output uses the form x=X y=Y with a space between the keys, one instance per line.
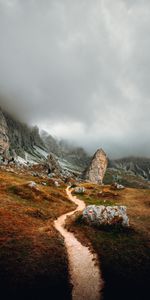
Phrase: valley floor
x=33 y=258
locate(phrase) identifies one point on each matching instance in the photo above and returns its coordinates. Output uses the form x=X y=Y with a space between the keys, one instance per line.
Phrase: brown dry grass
x=33 y=260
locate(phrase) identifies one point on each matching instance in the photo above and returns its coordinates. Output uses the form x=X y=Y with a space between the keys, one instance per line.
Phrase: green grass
x=97 y=201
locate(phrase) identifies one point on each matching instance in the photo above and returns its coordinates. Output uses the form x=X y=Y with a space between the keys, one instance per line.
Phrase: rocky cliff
x=4 y=139
x=97 y=168
x=19 y=139
x=25 y=144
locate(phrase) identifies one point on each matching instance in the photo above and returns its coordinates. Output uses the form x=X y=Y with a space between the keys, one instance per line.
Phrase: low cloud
x=79 y=69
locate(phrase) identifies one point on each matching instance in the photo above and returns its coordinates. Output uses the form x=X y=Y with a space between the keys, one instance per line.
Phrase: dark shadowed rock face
x=97 y=168
x=4 y=140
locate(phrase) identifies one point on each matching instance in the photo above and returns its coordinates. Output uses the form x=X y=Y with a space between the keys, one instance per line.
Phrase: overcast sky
x=79 y=69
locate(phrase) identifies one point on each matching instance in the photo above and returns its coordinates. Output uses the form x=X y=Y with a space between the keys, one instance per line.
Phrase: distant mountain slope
x=135 y=165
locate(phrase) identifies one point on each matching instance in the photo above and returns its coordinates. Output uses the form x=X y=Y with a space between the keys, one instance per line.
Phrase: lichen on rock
x=105 y=215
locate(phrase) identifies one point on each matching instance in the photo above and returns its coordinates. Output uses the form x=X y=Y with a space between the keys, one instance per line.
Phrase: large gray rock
x=97 y=168
x=105 y=215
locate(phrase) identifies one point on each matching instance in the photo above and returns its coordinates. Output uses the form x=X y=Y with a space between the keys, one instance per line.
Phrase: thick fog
x=80 y=70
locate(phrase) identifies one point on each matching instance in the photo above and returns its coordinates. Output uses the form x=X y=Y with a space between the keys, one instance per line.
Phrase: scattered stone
x=51 y=175
x=44 y=183
x=79 y=190
x=35 y=174
x=97 y=168
x=105 y=215
x=56 y=183
x=118 y=186
x=32 y=184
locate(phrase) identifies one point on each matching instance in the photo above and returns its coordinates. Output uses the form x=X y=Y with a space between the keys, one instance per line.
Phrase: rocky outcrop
x=53 y=165
x=105 y=215
x=4 y=139
x=97 y=168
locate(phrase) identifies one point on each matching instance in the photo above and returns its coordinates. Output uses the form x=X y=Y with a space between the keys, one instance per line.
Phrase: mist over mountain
x=79 y=70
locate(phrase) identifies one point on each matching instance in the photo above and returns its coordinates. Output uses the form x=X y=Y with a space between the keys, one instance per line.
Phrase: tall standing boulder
x=97 y=168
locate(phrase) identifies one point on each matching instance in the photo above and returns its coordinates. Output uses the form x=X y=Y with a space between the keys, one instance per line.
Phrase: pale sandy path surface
x=85 y=274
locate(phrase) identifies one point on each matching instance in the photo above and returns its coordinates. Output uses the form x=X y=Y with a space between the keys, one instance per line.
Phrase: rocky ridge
x=132 y=165
x=25 y=145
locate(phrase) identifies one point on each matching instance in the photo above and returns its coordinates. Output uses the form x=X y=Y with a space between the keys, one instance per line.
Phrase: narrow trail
x=84 y=272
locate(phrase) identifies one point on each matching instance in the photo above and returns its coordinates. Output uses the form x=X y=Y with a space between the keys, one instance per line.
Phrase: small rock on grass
x=32 y=184
x=79 y=190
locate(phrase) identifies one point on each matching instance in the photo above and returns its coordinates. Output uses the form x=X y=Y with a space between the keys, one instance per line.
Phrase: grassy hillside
x=33 y=260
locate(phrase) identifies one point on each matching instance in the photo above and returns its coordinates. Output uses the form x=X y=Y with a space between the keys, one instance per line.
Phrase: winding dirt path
x=84 y=272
